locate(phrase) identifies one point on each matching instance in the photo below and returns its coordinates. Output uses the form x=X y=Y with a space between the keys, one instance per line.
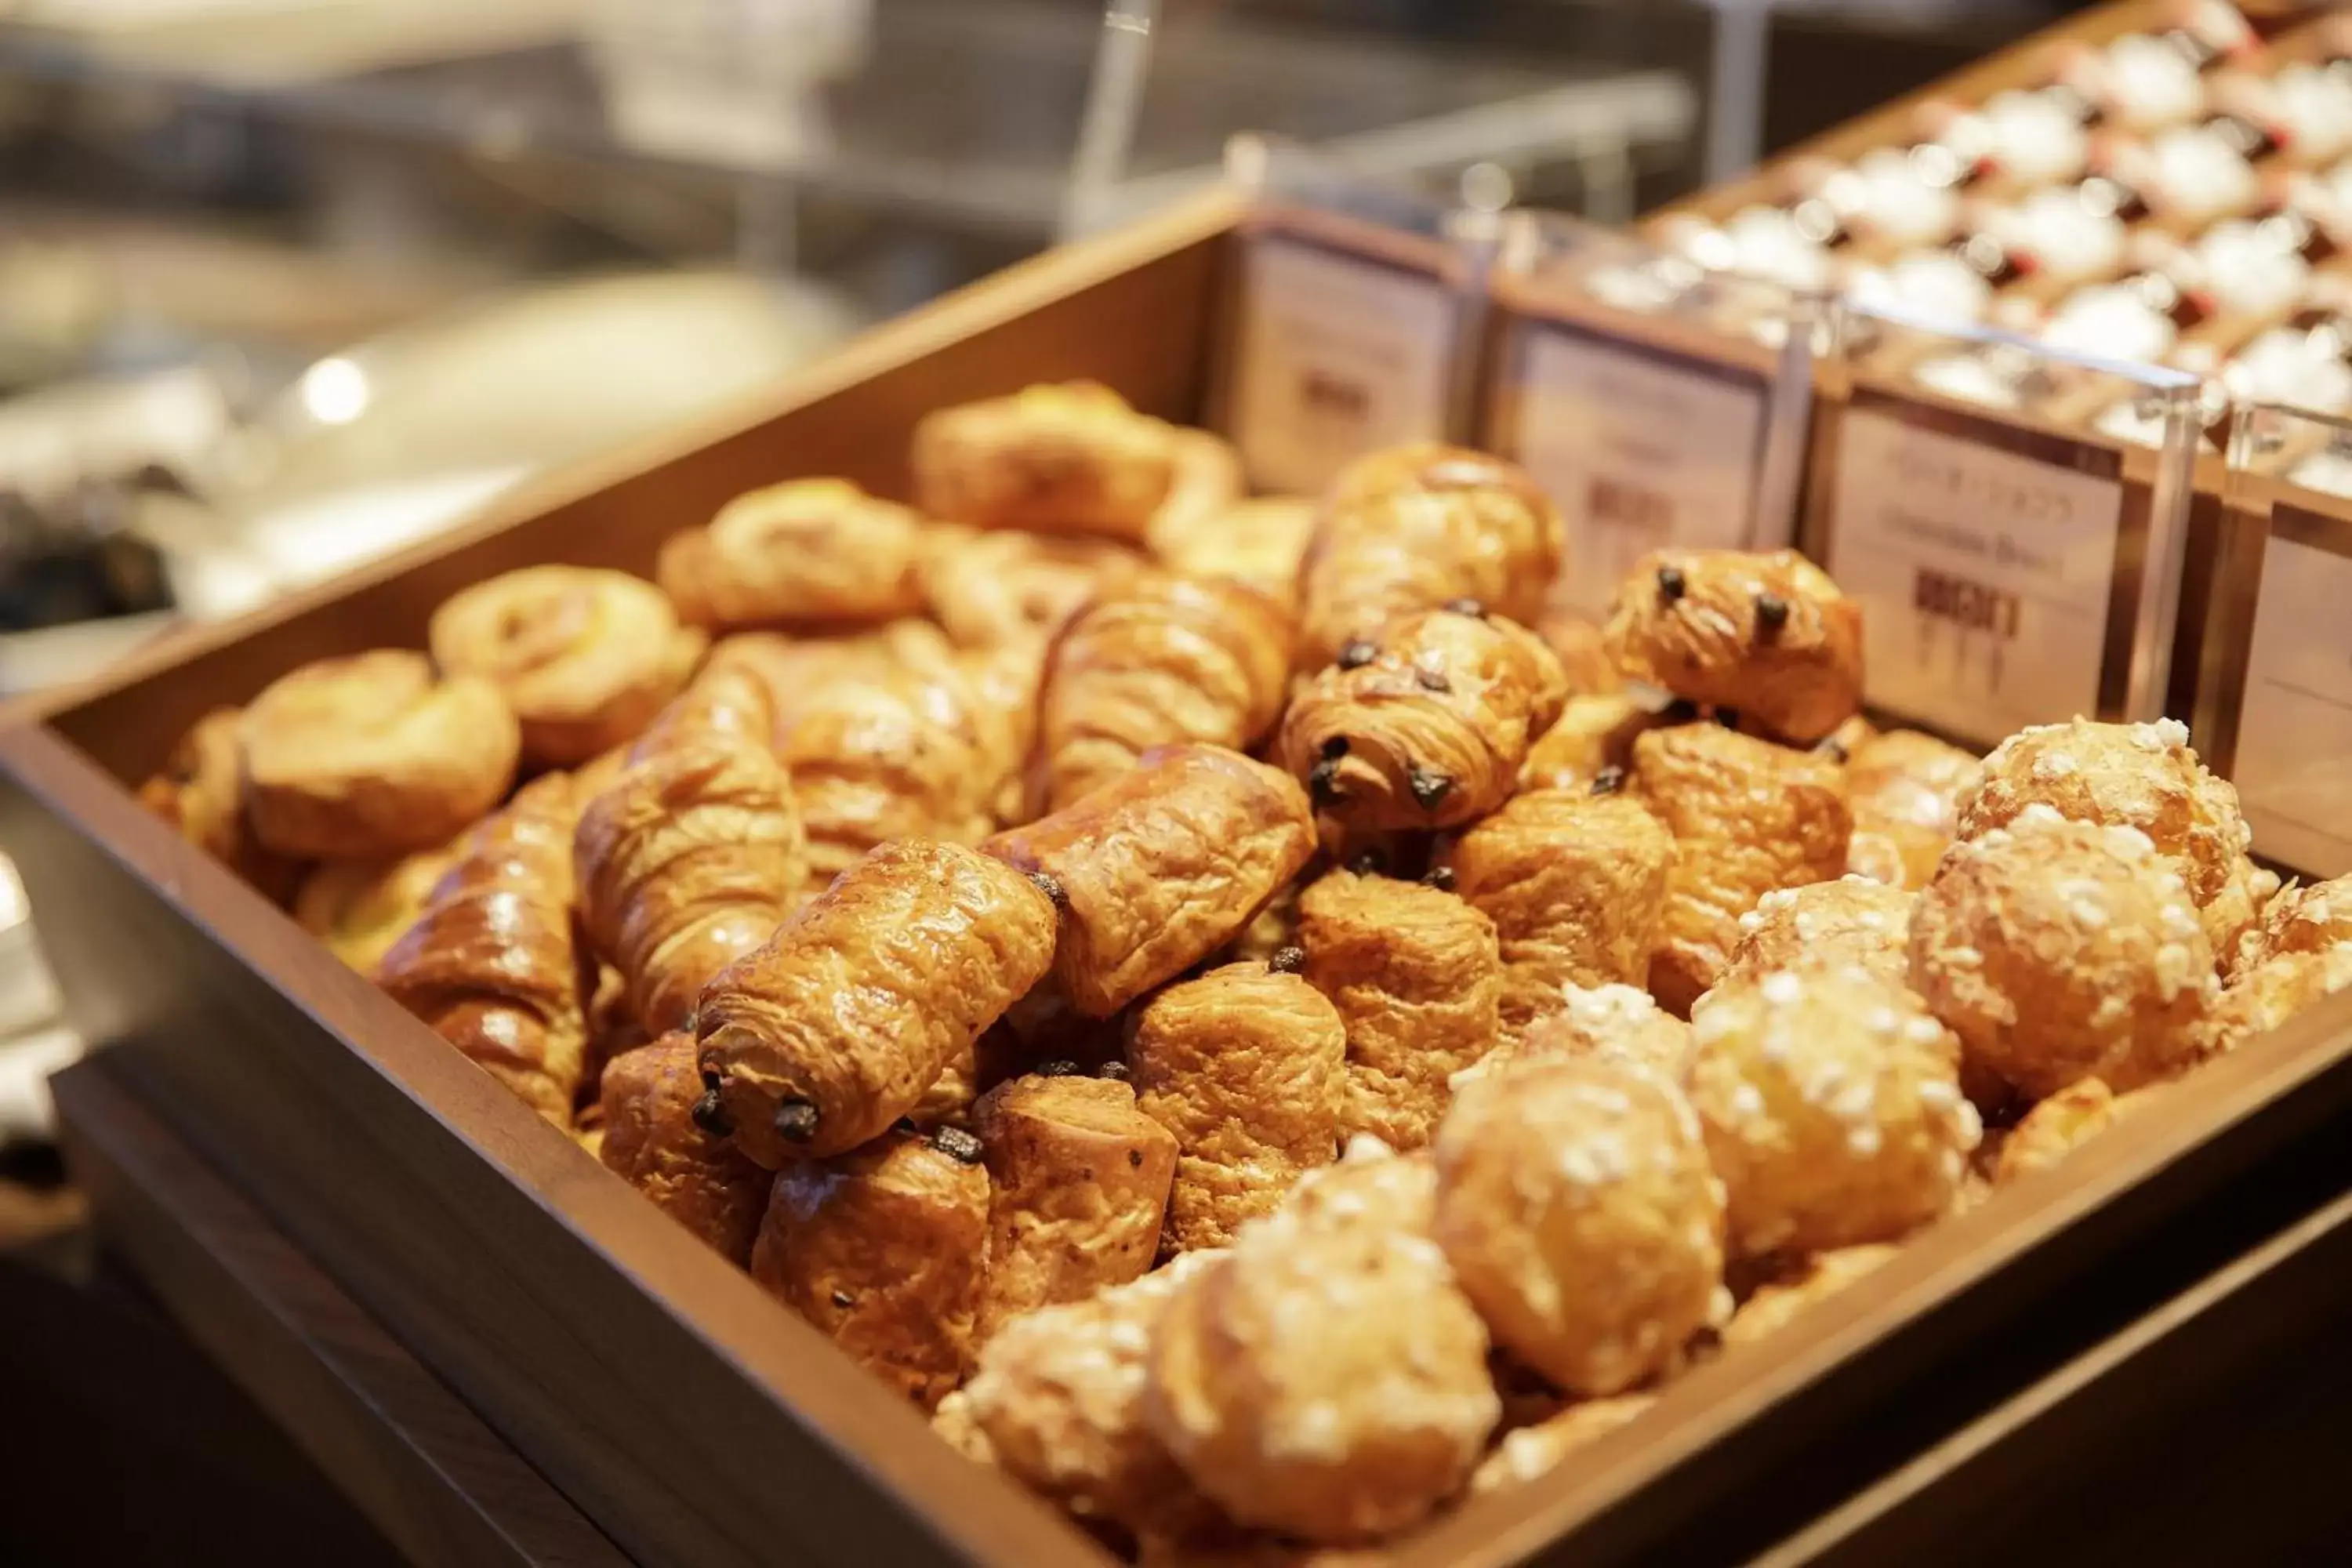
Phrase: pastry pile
x=1259 y=1026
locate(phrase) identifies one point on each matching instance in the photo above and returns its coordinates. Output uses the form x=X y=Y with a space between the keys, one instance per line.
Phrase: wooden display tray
x=689 y=1417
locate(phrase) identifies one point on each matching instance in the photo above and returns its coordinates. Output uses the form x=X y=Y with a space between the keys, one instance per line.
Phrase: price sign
x=1335 y=355
x=2294 y=767
x=1987 y=570
x=1638 y=448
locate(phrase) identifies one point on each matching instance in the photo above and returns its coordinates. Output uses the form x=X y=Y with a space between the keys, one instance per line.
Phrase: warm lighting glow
x=335 y=391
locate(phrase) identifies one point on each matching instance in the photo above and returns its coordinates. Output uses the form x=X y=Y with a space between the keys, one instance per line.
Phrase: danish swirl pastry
x=885 y=1250
x=1417 y=527
x=360 y=908
x=491 y=964
x=1165 y=661
x=1424 y=726
x=1326 y=1378
x=1747 y=818
x=690 y=860
x=806 y=552
x=1081 y=1181
x=988 y=588
x=1070 y=458
x=200 y=795
x=1575 y=882
x=652 y=1141
x=584 y=658
x=1246 y=1066
x=2060 y=951
x=1768 y=636
x=1160 y=868
x=1907 y=789
x=1416 y=975
x=1577 y=1206
x=833 y=1028
x=369 y=757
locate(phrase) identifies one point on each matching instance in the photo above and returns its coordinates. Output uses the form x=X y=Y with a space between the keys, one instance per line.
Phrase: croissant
x=731 y=698
x=1167 y=662
x=198 y=793
x=491 y=964
x=988 y=588
x=1260 y=542
x=1072 y=458
x=1421 y=526
x=1426 y=727
x=690 y=860
x=584 y=658
x=808 y=551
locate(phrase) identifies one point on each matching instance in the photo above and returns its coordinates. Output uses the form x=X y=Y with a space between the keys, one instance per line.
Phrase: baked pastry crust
x=833 y=1028
x=1162 y=662
x=2142 y=777
x=1593 y=734
x=884 y=1249
x=1582 y=646
x=1416 y=975
x=2310 y=918
x=584 y=658
x=1259 y=541
x=1424 y=724
x=1416 y=526
x=1081 y=1178
x=1851 y=921
x=1160 y=868
x=806 y=552
x=1767 y=635
x=2058 y=951
x=729 y=700
x=200 y=794
x=1575 y=883
x=369 y=757
x=1776 y=1305
x=491 y=965
x=1246 y=1067
x=2262 y=998
x=1831 y=1105
x=2056 y=1128
x=690 y=860
x=1070 y=458
x=360 y=908
x=1618 y=1024
x=1326 y=1378
x=1577 y=1207
x=1747 y=818
x=652 y=1141
x=1531 y=1453
x=990 y=588
x=1907 y=788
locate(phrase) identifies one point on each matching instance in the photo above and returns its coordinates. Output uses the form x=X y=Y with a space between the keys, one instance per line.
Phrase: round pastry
x=2142 y=777
x=1768 y=636
x=805 y=553
x=2055 y=1128
x=1831 y=1104
x=1907 y=788
x=2262 y=998
x=1259 y=542
x=1426 y=726
x=2298 y=919
x=1577 y=1206
x=1747 y=818
x=360 y=908
x=1533 y=1452
x=1416 y=526
x=369 y=757
x=1823 y=1275
x=991 y=588
x=585 y=659
x=2060 y=950
x=1851 y=921
x=1071 y=459
x=1326 y=1378
x=1575 y=881
x=1623 y=1025
x=199 y=795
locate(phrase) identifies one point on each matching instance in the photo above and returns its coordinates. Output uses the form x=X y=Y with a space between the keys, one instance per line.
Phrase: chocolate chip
x=1430 y=679
x=1671 y=584
x=1441 y=878
x=1135 y=1158
x=796 y=1120
x=1681 y=711
x=1834 y=749
x=1335 y=748
x=1771 y=612
x=1428 y=789
x=904 y=1126
x=1358 y=654
x=958 y=1145
x=1287 y=959
x=1323 y=780
x=1060 y=1066
x=1609 y=781
x=844 y=1299
x=1117 y=1072
x=711 y=1080
x=1051 y=886
x=709 y=1115
x=1466 y=607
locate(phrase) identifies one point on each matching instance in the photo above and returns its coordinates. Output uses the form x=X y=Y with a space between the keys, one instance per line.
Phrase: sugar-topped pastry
x=1851 y=921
